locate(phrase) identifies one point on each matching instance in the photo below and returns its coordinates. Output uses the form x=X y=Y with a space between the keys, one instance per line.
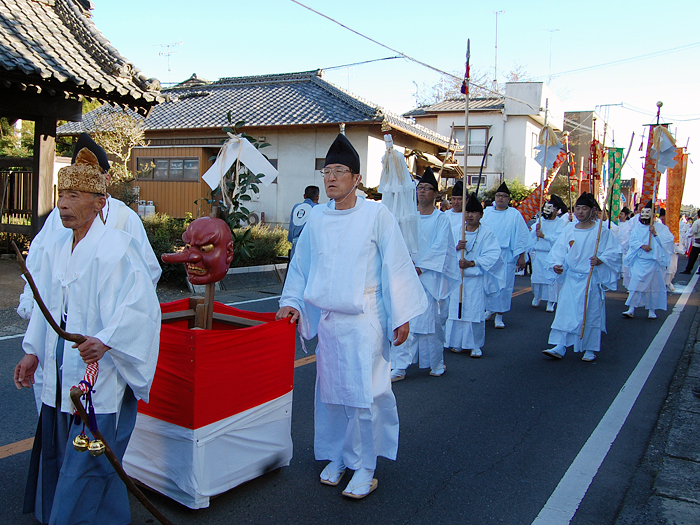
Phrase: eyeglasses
x=425 y=187
x=337 y=172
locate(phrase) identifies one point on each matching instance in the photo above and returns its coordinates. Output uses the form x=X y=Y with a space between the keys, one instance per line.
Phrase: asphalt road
x=486 y=443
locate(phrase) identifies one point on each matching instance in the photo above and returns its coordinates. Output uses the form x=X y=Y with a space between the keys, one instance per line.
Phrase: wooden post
x=42 y=177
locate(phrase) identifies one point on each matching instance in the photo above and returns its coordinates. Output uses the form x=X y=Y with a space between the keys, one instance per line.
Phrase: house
x=51 y=57
x=298 y=114
x=513 y=121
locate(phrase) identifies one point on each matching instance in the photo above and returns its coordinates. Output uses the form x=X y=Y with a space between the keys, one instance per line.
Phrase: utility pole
x=494 y=85
x=551 y=36
x=168 y=53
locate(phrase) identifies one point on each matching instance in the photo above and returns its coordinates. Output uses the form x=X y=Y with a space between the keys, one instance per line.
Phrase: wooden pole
x=653 y=133
x=464 y=177
x=597 y=242
x=568 y=167
x=543 y=171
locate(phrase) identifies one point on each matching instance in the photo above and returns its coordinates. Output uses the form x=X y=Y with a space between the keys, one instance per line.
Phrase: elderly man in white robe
x=648 y=259
x=543 y=234
x=484 y=274
x=352 y=283
x=95 y=282
x=573 y=258
x=115 y=214
x=436 y=266
x=511 y=230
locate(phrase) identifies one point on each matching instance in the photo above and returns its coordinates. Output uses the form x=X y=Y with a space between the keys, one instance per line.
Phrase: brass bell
x=96 y=447
x=81 y=442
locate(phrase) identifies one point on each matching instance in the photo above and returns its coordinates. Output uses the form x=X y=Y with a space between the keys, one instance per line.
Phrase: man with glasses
x=512 y=233
x=436 y=267
x=352 y=274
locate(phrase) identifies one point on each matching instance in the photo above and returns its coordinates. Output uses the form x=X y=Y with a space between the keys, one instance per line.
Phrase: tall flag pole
x=465 y=92
x=544 y=166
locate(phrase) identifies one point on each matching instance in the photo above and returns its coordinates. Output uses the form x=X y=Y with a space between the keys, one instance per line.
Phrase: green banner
x=614 y=167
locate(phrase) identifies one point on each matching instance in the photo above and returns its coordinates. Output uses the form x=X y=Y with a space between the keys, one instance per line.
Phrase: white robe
x=105 y=290
x=436 y=259
x=647 y=270
x=512 y=234
x=544 y=287
x=353 y=282
x=117 y=216
x=573 y=250
x=486 y=278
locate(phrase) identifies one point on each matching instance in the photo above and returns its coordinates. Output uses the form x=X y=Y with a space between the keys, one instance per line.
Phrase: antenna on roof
x=168 y=53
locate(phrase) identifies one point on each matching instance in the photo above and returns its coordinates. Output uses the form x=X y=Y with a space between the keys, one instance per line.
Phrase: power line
x=407 y=57
x=361 y=63
x=626 y=60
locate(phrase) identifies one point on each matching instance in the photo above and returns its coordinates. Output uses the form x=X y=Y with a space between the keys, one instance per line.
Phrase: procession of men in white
x=375 y=308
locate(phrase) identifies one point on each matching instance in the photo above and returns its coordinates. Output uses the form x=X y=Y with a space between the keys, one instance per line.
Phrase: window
x=474 y=180
x=478 y=138
x=535 y=143
x=167 y=168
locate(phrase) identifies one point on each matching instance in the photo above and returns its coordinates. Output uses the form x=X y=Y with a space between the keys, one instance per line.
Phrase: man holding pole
x=484 y=274
x=647 y=259
x=543 y=235
x=95 y=281
x=437 y=270
x=512 y=233
x=350 y=277
x=587 y=260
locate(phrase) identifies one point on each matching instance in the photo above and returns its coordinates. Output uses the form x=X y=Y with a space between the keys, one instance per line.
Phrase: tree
x=480 y=85
x=118 y=132
x=518 y=191
x=16 y=143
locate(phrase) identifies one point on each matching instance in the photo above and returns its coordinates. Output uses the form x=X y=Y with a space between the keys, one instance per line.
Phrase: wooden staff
x=543 y=171
x=597 y=241
x=653 y=133
x=568 y=166
x=75 y=393
x=464 y=177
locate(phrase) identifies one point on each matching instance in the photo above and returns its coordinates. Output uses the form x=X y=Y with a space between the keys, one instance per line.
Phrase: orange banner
x=675 y=184
x=651 y=176
x=530 y=205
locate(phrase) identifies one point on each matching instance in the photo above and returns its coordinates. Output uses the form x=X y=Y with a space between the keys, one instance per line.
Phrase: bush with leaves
x=518 y=191
x=262 y=244
x=165 y=235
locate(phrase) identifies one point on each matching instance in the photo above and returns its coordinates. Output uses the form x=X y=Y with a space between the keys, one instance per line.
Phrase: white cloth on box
x=193 y=465
x=544 y=287
x=353 y=282
x=480 y=281
x=573 y=250
x=436 y=259
x=511 y=231
x=104 y=287
x=647 y=270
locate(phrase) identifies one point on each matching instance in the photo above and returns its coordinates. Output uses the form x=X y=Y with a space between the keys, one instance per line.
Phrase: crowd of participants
x=573 y=260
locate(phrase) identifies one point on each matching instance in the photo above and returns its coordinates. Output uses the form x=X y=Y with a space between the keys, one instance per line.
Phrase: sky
x=223 y=38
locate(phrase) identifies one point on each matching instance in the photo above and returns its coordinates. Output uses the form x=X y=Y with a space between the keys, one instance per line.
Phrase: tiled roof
x=291 y=99
x=91 y=119
x=52 y=46
x=457 y=104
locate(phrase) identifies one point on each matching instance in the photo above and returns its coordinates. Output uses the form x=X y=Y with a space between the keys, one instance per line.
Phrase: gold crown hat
x=83 y=175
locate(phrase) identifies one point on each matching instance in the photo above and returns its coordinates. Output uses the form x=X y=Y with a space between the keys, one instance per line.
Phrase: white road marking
x=254 y=300
x=566 y=498
x=6 y=337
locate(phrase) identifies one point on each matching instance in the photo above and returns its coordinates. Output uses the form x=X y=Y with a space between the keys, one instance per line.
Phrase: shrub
x=165 y=235
x=264 y=243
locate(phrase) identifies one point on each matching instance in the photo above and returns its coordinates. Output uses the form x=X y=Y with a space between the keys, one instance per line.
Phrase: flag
x=614 y=167
x=530 y=205
x=675 y=183
x=666 y=147
x=465 y=83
